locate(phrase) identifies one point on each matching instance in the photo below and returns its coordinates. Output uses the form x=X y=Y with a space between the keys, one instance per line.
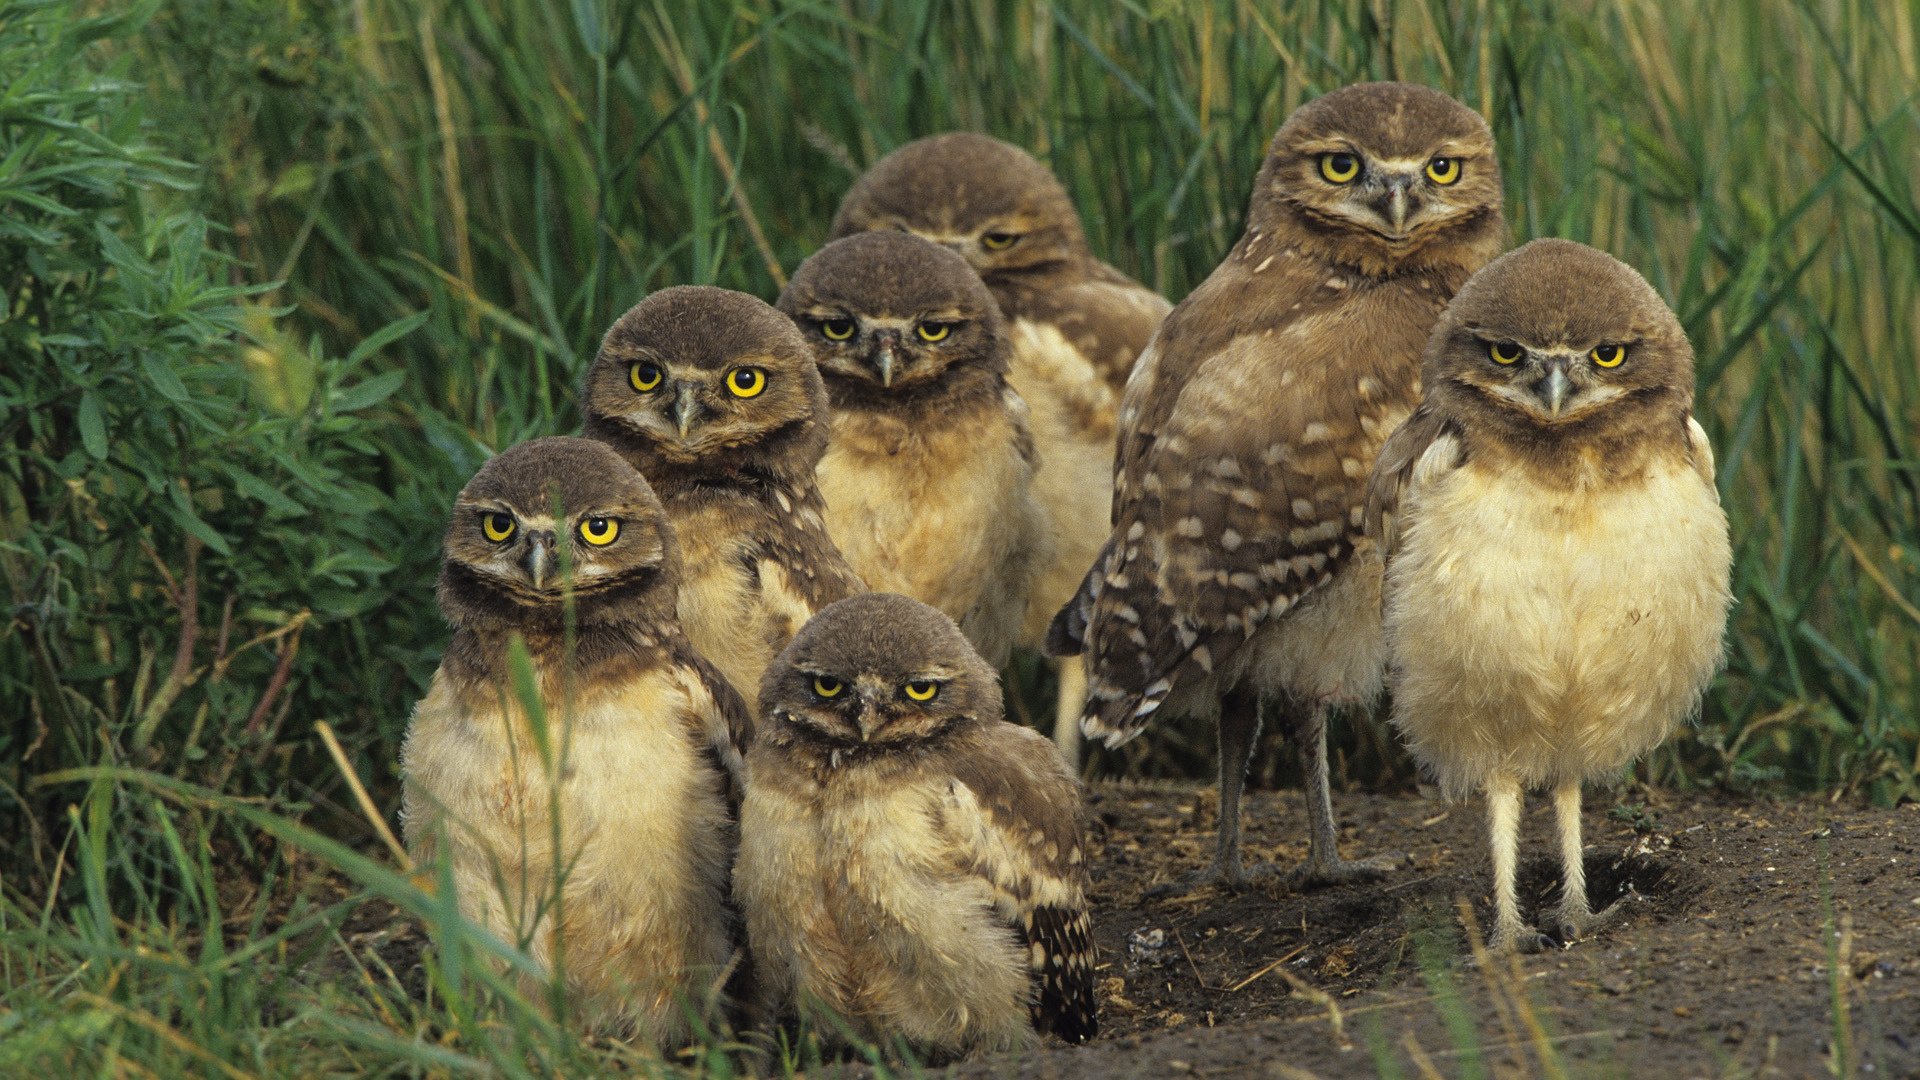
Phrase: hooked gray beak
x=538 y=560
x=1397 y=203
x=684 y=410
x=1553 y=389
x=884 y=359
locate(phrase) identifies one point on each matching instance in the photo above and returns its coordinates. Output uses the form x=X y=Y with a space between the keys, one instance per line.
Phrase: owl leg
x=1238 y=730
x=1575 y=917
x=1324 y=864
x=1070 y=704
x=1503 y=827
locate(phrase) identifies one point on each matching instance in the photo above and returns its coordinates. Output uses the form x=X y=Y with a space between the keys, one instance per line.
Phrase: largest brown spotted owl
x=1238 y=570
x=929 y=472
x=593 y=827
x=1557 y=583
x=1076 y=326
x=714 y=397
x=912 y=867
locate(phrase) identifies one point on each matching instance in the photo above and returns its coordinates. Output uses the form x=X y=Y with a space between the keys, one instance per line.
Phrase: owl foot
x=1318 y=873
x=1521 y=939
x=1572 y=926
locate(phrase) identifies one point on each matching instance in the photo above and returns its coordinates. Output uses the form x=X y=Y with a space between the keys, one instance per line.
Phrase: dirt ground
x=1740 y=910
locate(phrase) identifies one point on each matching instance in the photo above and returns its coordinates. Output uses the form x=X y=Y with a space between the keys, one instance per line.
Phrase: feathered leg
x=1503 y=827
x=1071 y=702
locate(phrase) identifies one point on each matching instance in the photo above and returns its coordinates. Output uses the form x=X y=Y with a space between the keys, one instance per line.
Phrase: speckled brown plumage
x=736 y=474
x=1237 y=568
x=929 y=471
x=1557 y=583
x=915 y=867
x=636 y=771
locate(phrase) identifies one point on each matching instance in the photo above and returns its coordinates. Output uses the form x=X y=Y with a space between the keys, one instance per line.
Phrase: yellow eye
x=497 y=526
x=1504 y=352
x=1609 y=355
x=599 y=531
x=644 y=376
x=922 y=689
x=998 y=241
x=827 y=686
x=836 y=329
x=1443 y=170
x=746 y=381
x=1339 y=168
x=935 y=331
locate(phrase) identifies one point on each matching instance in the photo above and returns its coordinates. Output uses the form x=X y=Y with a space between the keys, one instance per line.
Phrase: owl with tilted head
x=1558 y=564
x=713 y=396
x=1075 y=324
x=912 y=866
x=929 y=470
x=1237 y=572
x=605 y=820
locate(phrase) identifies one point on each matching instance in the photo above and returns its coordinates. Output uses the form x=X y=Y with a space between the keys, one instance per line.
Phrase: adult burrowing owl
x=1557 y=580
x=1077 y=325
x=909 y=862
x=1237 y=569
x=928 y=475
x=600 y=834
x=714 y=397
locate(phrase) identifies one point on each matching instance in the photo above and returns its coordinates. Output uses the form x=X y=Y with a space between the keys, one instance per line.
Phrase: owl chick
x=910 y=864
x=929 y=472
x=1237 y=569
x=1557 y=583
x=600 y=837
x=1076 y=324
x=714 y=397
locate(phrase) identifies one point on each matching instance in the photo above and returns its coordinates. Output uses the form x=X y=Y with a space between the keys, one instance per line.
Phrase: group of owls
x=764 y=599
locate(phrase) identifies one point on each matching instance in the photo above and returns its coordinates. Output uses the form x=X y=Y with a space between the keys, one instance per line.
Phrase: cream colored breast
x=721 y=611
x=945 y=515
x=1073 y=430
x=856 y=898
x=1552 y=632
x=641 y=824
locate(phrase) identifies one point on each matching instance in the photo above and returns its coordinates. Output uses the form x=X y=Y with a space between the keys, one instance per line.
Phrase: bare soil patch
x=1741 y=913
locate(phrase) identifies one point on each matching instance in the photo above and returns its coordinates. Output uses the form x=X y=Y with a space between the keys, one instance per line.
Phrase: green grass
x=350 y=249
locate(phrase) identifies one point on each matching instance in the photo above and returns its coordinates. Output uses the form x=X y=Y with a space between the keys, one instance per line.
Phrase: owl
x=714 y=397
x=1237 y=571
x=1558 y=563
x=1076 y=326
x=911 y=866
x=599 y=832
x=929 y=471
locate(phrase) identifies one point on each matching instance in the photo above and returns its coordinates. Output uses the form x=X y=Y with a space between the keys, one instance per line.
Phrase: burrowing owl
x=1557 y=581
x=1237 y=569
x=910 y=863
x=928 y=475
x=1076 y=325
x=714 y=397
x=631 y=770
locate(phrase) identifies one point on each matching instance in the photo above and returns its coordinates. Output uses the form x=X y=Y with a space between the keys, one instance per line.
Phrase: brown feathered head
x=551 y=520
x=1381 y=177
x=703 y=385
x=990 y=201
x=874 y=673
x=891 y=316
